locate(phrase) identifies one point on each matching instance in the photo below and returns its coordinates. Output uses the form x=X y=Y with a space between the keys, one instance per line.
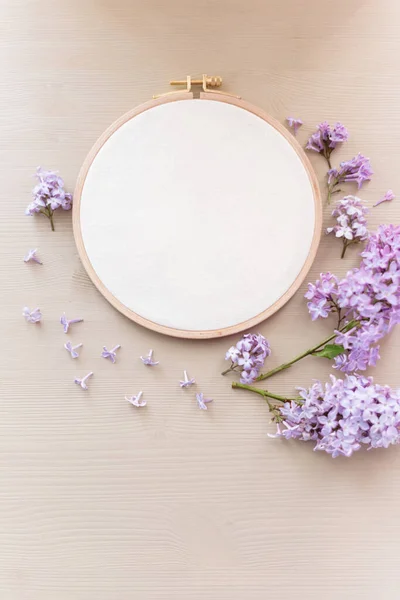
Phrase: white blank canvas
x=197 y=214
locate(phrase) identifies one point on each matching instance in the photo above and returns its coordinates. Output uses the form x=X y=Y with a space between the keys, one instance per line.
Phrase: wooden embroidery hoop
x=220 y=97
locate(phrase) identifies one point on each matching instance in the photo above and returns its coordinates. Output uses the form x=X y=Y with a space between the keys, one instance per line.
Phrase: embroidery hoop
x=88 y=235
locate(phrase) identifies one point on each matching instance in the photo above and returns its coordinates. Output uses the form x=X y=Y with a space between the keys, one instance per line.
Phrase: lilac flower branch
x=326 y=138
x=311 y=351
x=249 y=355
x=351 y=222
x=48 y=195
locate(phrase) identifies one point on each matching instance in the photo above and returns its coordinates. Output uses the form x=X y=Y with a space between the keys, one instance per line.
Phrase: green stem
x=264 y=393
x=306 y=353
x=51 y=221
x=345 y=244
x=231 y=368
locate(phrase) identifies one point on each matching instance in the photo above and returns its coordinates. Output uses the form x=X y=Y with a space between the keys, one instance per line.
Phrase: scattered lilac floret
x=136 y=400
x=388 y=197
x=111 y=354
x=82 y=382
x=72 y=349
x=295 y=124
x=31 y=256
x=32 y=316
x=186 y=381
x=67 y=323
x=148 y=360
x=202 y=402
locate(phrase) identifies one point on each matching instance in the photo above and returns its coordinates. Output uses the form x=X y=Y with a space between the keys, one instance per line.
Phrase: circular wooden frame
x=196 y=334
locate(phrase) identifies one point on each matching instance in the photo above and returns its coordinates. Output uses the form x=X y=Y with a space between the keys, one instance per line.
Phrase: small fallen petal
x=72 y=349
x=278 y=433
x=32 y=316
x=295 y=124
x=148 y=360
x=31 y=256
x=136 y=400
x=186 y=382
x=388 y=197
x=67 y=323
x=82 y=382
x=202 y=402
x=111 y=354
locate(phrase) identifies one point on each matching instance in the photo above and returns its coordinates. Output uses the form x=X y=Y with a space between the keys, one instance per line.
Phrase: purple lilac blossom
x=49 y=195
x=82 y=382
x=202 y=402
x=67 y=323
x=111 y=354
x=388 y=197
x=148 y=360
x=31 y=256
x=342 y=415
x=368 y=295
x=249 y=355
x=358 y=169
x=321 y=296
x=350 y=214
x=136 y=400
x=295 y=124
x=32 y=316
x=187 y=382
x=326 y=138
x=72 y=349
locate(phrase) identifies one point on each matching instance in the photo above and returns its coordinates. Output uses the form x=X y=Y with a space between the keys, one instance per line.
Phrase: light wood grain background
x=97 y=501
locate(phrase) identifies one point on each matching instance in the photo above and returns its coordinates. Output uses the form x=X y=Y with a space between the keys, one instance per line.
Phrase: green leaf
x=330 y=351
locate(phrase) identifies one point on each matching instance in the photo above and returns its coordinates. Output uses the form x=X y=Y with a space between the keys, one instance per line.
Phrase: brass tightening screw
x=215 y=81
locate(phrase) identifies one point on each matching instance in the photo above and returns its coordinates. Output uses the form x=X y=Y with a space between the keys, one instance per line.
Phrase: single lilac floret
x=72 y=349
x=202 y=402
x=136 y=400
x=388 y=197
x=148 y=360
x=82 y=382
x=186 y=381
x=66 y=323
x=31 y=256
x=295 y=124
x=111 y=354
x=32 y=316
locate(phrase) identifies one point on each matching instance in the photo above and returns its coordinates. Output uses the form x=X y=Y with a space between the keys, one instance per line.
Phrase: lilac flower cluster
x=249 y=355
x=366 y=300
x=342 y=415
x=350 y=214
x=49 y=195
x=326 y=138
x=321 y=296
x=358 y=169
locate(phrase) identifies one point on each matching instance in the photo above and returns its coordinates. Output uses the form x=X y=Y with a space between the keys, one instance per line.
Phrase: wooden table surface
x=97 y=501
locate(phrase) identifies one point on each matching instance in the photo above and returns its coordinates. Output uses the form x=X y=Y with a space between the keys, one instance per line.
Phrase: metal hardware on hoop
x=207 y=82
